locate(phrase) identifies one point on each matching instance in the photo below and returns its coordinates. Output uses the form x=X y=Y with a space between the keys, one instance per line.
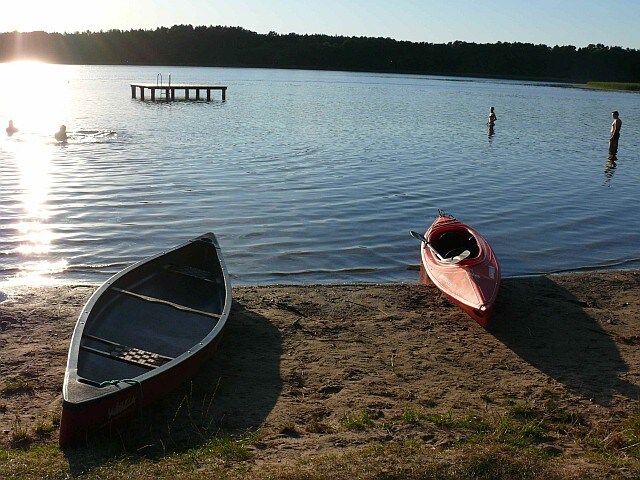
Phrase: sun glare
x=36 y=238
x=35 y=96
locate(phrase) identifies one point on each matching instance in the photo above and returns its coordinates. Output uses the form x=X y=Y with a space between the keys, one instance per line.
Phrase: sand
x=297 y=360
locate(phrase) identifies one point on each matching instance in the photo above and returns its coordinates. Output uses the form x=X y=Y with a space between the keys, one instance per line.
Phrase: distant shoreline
x=237 y=46
x=560 y=81
x=616 y=86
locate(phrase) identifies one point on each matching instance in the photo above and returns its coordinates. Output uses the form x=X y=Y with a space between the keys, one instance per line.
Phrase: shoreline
x=297 y=360
x=8 y=289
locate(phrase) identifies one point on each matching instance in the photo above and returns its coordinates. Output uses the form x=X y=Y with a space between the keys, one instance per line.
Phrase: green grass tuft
x=43 y=428
x=358 y=421
x=17 y=386
x=19 y=434
x=413 y=416
x=228 y=449
x=520 y=410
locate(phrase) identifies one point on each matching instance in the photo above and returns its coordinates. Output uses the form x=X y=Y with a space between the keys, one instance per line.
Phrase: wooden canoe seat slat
x=147 y=298
x=194 y=273
x=123 y=353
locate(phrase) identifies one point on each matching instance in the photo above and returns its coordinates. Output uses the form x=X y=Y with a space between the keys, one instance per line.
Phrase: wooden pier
x=170 y=90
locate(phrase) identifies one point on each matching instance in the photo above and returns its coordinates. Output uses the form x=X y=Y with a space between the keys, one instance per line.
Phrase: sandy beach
x=297 y=361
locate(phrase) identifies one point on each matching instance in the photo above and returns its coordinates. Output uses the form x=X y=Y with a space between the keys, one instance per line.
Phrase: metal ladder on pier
x=163 y=92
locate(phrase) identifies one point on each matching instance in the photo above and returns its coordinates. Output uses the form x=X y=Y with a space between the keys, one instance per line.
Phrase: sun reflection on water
x=37 y=114
x=33 y=228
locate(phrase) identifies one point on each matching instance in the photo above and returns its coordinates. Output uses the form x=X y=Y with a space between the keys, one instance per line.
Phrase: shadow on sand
x=231 y=395
x=547 y=327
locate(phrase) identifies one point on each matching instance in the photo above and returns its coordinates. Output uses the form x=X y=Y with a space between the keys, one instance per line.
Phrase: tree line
x=185 y=45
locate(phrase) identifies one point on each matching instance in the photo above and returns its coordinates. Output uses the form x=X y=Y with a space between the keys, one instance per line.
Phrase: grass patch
x=631 y=434
x=520 y=442
x=389 y=461
x=228 y=449
x=44 y=428
x=444 y=420
x=521 y=427
x=469 y=421
x=412 y=416
x=20 y=437
x=17 y=386
x=633 y=87
x=494 y=464
x=228 y=458
x=48 y=425
x=410 y=462
x=358 y=421
x=615 y=442
x=485 y=397
x=521 y=410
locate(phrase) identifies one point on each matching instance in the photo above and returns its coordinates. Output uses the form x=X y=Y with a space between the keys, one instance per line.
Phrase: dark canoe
x=142 y=333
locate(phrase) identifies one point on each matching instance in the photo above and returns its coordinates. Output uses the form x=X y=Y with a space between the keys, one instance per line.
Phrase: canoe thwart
x=147 y=298
x=126 y=354
x=193 y=272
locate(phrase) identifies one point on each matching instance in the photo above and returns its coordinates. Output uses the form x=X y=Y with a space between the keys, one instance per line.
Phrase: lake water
x=308 y=177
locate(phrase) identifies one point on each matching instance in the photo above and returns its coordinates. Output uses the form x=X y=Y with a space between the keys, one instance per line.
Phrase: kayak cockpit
x=452 y=242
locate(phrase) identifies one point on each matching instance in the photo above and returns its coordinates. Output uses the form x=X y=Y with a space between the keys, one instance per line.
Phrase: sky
x=549 y=22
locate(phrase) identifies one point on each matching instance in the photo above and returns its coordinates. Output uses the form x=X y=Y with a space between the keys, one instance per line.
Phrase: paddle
x=459 y=258
x=453 y=261
x=426 y=242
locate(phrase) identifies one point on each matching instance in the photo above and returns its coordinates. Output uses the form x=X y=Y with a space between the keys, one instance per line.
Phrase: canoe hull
x=79 y=420
x=142 y=334
x=473 y=282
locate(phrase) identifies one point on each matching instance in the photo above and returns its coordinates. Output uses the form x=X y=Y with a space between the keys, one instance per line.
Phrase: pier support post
x=133 y=91
x=153 y=94
x=186 y=93
x=197 y=94
x=208 y=94
x=142 y=93
x=224 y=94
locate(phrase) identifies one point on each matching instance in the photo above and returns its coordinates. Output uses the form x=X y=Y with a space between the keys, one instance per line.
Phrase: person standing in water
x=61 y=135
x=11 y=129
x=616 y=125
x=492 y=117
x=492 y=120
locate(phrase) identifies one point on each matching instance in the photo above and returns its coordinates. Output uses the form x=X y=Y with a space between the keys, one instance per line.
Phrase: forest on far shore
x=185 y=45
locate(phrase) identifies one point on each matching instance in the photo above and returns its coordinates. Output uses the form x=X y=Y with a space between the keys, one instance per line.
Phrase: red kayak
x=460 y=262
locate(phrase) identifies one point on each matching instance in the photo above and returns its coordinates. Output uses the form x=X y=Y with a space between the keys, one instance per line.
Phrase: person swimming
x=61 y=135
x=11 y=129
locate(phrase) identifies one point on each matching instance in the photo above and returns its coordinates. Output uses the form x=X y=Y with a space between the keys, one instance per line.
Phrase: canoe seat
x=126 y=354
x=194 y=273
